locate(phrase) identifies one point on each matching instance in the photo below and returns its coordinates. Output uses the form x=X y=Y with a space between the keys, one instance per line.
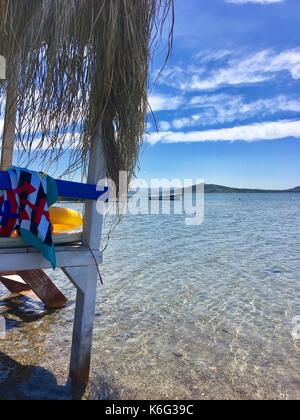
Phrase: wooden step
x=44 y=288
x=39 y=283
x=13 y=284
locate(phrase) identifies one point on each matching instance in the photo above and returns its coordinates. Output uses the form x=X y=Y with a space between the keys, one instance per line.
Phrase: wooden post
x=85 y=278
x=9 y=125
x=93 y=221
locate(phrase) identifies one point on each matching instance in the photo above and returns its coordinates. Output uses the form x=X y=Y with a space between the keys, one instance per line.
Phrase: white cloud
x=194 y=120
x=180 y=123
x=164 y=125
x=254 y=1
x=210 y=55
x=224 y=108
x=210 y=100
x=248 y=133
x=164 y=103
x=247 y=69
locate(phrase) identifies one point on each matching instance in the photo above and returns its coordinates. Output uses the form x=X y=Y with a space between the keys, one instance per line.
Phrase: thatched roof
x=77 y=62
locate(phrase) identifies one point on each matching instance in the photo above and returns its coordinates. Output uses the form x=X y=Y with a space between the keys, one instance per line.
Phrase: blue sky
x=228 y=103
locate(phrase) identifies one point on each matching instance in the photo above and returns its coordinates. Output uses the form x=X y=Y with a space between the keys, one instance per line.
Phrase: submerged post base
x=85 y=281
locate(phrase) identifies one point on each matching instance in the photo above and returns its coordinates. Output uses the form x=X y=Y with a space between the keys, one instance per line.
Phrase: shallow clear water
x=185 y=312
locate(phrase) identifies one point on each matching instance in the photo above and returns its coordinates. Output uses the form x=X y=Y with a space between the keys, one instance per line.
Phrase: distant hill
x=296 y=189
x=212 y=188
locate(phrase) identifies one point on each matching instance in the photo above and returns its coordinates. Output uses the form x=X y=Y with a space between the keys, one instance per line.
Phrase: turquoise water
x=185 y=312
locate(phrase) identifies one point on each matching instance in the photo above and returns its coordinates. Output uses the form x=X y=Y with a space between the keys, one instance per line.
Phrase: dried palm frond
x=78 y=62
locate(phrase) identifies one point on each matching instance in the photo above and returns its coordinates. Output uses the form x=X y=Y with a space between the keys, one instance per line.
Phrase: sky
x=227 y=106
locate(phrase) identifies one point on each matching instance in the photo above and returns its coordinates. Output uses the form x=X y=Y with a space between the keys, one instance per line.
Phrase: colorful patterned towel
x=26 y=208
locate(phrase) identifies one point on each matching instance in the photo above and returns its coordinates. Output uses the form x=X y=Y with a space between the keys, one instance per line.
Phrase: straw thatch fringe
x=79 y=62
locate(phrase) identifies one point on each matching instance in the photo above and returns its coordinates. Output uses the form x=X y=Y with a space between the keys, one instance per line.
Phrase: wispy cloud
x=254 y=1
x=164 y=102
x=248 y=133
x=224 y=108
x=262 y=66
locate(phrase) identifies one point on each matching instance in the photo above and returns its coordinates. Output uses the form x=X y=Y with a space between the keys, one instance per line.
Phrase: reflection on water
x=185 y=312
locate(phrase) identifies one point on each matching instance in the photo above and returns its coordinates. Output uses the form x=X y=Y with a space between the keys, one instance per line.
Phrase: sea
x=209 y=311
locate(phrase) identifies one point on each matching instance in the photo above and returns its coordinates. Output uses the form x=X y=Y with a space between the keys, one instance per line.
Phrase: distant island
x=213 y=188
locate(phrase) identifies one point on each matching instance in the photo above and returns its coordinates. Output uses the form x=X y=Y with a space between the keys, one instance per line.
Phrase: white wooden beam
x=18 y=260
x=93 y=221
x=85 y=279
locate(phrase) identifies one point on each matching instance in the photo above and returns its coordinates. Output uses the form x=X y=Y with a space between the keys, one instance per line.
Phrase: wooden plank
x=44 y=288
x=13 y=285
x=65 y=189
x=68 y=189
x=60 y=239
x=29 y=250
x=20 y=261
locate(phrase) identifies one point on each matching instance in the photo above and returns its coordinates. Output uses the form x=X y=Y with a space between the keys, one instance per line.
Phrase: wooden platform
x=28 y=264
x=30 y=259
x=78 y=260
x=59 y=239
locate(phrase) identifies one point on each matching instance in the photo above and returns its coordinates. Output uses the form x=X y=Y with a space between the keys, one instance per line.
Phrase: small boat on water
x=165 y=197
